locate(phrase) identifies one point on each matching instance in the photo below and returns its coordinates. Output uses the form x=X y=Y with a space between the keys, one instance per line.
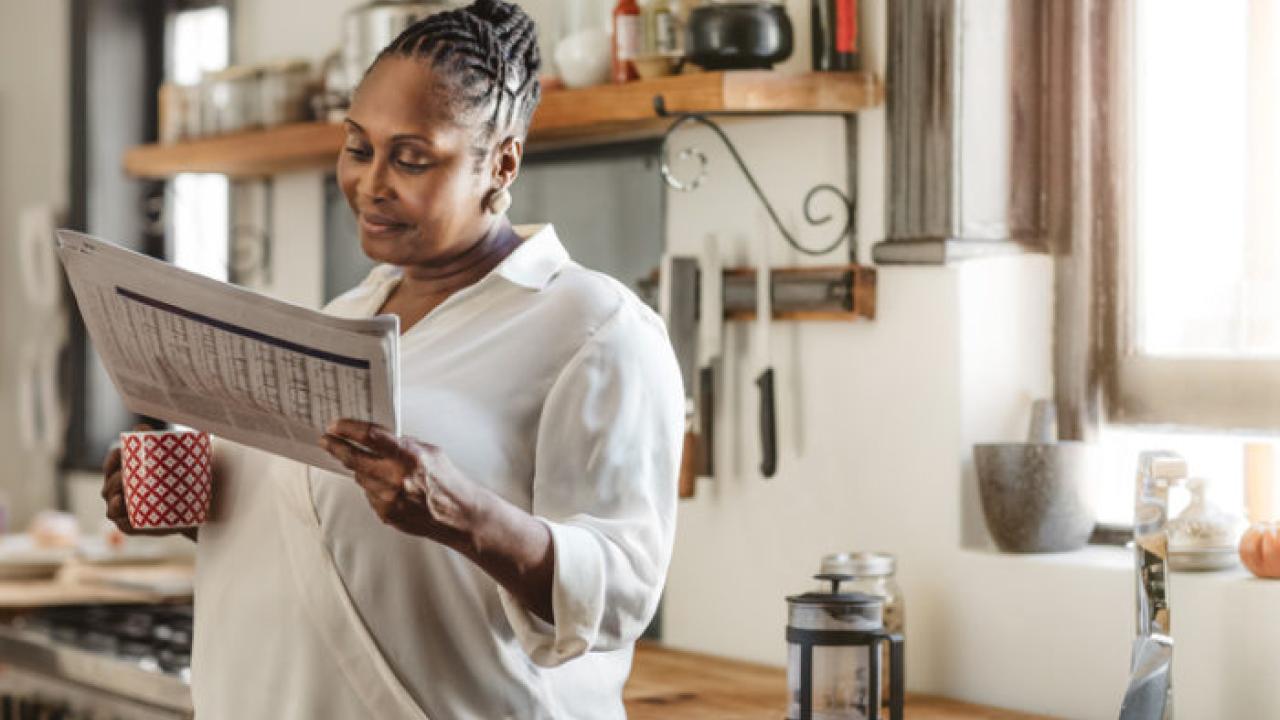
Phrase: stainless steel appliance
x=97 y=663
x=1150 y=692
x=367 y=29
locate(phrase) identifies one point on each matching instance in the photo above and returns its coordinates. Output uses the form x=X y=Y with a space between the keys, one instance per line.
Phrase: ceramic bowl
x=583 y=58
x=1035 y=496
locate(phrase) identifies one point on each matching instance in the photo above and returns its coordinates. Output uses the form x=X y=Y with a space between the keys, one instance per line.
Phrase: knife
x=764 y=318
x=678 y=305
x=710 y=347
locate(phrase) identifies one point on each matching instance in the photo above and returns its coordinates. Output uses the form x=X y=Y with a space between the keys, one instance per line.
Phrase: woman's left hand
x=411 y=485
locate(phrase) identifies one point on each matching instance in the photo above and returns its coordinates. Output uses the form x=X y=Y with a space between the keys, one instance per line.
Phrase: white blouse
x=555 y=387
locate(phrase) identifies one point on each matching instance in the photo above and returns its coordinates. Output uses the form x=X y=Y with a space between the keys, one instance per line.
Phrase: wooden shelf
x=565 y=117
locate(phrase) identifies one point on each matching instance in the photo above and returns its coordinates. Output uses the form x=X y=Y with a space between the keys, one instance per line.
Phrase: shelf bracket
x=693 y=153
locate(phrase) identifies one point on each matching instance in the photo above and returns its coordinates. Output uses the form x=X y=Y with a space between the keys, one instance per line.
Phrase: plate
x=22 y=559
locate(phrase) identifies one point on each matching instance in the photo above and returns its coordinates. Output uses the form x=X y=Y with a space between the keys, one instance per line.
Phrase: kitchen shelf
x=564 y=117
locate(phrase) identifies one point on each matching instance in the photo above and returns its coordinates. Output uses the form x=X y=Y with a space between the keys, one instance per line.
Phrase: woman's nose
x=374 y=182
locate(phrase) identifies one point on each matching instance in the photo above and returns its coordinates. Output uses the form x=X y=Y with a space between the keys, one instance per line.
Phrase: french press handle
x=897 y=669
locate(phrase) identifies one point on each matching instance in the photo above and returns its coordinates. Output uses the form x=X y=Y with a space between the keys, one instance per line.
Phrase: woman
x=499 y=558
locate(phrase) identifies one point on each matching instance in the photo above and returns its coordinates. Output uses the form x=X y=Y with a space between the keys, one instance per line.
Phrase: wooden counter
x=80 y=584
x=673 y=685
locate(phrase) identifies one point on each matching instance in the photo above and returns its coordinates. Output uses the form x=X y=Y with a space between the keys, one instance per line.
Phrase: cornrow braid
x=490 y=50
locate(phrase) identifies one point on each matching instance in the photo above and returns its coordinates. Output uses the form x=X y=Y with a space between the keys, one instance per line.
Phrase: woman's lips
x=380 y=225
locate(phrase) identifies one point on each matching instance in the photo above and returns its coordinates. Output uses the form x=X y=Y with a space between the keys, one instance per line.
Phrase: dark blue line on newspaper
x=243 y=331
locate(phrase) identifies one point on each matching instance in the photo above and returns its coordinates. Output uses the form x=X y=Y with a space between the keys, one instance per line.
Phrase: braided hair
x=489 y=52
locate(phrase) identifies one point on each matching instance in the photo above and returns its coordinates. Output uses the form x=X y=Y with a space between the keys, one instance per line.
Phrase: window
x=198 y=203
x=1199 y=310
x=1186 y=222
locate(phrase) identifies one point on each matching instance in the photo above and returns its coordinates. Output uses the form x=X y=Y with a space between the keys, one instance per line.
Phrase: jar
x=369 y=28
x=582 y=51
x=285 y=89
x=1203 y=537
x=230 y=100
x=179 y=112
x=872 y=573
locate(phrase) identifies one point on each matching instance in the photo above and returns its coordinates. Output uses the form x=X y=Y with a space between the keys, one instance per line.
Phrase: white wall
x=876 y=421
x=33 y=172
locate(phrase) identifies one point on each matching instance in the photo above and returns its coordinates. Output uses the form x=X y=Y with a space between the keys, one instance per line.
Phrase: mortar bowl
x=1035 y=496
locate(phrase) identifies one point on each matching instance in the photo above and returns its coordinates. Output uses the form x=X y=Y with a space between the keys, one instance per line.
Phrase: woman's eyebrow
x=400 y=137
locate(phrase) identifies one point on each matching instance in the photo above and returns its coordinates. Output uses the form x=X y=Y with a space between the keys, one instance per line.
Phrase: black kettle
x=738 y=35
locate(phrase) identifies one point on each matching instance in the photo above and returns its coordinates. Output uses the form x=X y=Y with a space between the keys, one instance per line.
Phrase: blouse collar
x=536 y=260
x=532 y=265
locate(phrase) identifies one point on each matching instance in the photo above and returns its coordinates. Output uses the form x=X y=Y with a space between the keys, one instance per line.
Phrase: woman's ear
x=506 y=162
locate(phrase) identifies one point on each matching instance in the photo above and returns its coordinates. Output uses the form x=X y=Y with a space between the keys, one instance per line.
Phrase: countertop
x=670 y=684
x=77 y=583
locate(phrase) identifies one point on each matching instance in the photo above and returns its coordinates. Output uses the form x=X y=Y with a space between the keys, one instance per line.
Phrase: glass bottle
x=662 y=29
x=627 y=36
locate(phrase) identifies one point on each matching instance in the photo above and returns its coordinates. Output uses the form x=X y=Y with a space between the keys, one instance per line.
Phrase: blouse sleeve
x=607 y=457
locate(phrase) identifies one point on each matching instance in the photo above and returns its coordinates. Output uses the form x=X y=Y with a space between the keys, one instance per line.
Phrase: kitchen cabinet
x=670 y=684
x=605 y=113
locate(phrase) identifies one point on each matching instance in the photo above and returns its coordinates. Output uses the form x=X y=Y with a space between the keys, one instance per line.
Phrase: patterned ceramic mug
x=167 y=477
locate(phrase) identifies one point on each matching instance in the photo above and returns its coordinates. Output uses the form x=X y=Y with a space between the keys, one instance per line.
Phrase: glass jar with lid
x=872 y=573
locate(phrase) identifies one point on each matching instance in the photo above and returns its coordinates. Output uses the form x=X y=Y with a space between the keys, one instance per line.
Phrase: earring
x=499 y=201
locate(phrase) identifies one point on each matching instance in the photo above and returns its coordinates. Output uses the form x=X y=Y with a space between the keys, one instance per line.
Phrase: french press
x=834 y=643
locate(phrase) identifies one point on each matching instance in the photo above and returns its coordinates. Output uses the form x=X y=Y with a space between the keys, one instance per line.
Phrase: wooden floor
x=673 y=685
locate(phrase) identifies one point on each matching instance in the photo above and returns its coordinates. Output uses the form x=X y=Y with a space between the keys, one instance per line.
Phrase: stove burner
x=154 y=637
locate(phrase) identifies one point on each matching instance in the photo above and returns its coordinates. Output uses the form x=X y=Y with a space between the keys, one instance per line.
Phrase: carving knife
x=678 y=304
x=764 y=320
x=710 y=348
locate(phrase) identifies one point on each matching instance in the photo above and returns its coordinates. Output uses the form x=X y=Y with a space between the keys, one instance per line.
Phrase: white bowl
x=583 y=58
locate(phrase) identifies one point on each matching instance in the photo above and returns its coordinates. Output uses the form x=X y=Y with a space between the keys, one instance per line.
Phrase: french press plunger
x=834 y=643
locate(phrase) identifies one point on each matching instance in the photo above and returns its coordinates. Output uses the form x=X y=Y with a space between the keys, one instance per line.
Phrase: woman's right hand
x=113 y=494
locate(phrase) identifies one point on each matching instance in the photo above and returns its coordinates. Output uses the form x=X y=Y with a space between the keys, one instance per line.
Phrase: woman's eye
x=357 y=152
x=412 y=164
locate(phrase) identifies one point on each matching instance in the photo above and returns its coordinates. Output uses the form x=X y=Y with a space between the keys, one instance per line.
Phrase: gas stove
x=98 y=662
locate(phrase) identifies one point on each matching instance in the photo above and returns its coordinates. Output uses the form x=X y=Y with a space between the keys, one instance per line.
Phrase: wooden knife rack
x=831 y=292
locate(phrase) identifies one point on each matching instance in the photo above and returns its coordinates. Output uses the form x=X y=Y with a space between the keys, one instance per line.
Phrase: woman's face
x=409 y=170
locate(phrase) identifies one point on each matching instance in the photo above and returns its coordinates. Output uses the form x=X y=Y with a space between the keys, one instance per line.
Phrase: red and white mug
x=168 y=478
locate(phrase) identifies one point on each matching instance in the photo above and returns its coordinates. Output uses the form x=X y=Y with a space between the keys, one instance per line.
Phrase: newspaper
x=194 y=351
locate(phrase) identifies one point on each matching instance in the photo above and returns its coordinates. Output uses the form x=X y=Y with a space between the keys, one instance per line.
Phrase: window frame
x=1223 y=394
